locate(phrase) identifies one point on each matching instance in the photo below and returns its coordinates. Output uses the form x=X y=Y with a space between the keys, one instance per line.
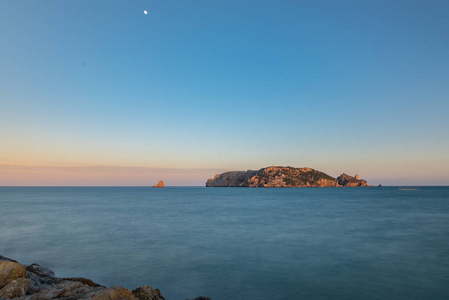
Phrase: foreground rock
x=160 y=184
x=15 y=288
x=147 y=292
x=35 y=282
x=283 y=177
x=10 y=271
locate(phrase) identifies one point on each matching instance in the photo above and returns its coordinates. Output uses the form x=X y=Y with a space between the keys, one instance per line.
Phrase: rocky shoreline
x=35 y=282
x=284 y=177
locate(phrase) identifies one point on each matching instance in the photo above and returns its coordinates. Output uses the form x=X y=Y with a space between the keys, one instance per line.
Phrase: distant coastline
x=275 y=176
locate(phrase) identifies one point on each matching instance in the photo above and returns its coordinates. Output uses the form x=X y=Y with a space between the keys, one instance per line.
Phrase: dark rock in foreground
x=35 y=282
x=148 y=293
x=283 y=177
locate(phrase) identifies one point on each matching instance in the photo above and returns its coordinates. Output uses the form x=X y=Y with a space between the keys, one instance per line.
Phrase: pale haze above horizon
x=101 y=93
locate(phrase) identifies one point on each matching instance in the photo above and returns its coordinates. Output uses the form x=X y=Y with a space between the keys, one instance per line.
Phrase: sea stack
x=159 y=185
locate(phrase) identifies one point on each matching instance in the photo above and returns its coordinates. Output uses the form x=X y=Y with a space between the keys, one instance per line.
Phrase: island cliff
x=283 y=177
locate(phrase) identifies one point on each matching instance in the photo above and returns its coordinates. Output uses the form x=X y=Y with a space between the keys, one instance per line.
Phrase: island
x=160 y=184
x=275 y=176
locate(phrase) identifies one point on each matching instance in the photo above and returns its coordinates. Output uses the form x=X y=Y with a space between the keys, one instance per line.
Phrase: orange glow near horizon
x=69 y=175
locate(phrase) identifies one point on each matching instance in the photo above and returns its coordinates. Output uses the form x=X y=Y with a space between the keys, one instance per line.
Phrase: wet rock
x=3 y=258
x=146 y=292
x=9 y=271
x=200 y=298
x=15 y=288
x=115 y=292
x=38 y=283
x=83 y=281
x=60 y=290
x=39 y=270
x=35 y=285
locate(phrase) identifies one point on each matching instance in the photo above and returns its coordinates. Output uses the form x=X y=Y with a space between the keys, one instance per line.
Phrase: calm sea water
x=237 y=243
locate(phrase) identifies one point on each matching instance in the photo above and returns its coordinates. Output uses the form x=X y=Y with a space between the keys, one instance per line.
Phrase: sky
x=99 y=93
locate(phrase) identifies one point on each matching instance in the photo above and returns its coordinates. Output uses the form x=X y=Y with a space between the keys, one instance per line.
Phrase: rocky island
x=283 y=177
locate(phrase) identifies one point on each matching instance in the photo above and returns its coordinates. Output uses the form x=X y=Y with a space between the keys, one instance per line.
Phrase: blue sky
x=340 y=86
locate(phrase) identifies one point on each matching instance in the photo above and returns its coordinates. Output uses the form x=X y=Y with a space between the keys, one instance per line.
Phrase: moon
x=145 y=12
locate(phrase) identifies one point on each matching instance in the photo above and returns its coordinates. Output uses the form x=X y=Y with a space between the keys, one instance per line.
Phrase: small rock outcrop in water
x=282 y=177
x=346 y=180
x=35 y=282
x=160 y=184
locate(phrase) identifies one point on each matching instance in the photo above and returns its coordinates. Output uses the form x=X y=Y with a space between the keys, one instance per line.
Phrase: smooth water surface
x=237 y=243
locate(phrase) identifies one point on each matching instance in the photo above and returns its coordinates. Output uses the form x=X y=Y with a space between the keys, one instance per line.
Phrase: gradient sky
x=98 y=93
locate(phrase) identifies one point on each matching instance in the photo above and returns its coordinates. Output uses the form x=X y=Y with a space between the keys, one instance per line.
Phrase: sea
x=237 y=243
